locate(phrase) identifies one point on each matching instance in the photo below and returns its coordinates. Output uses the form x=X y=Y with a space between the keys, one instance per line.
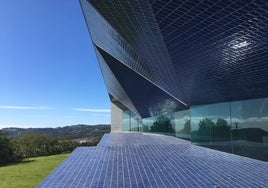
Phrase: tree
x=6 y=153
x=32 y=145
x=36 y=144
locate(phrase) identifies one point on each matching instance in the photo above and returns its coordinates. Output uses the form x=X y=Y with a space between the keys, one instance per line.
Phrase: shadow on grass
x=16 y=163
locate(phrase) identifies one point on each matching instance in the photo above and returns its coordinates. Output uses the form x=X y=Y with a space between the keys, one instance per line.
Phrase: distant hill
x=71 y=132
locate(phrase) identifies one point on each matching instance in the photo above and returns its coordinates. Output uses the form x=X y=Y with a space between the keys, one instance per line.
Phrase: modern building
x=195 y=69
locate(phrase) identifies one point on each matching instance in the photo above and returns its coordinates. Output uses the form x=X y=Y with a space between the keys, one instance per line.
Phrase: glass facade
x=132 y=122
x=239 y=127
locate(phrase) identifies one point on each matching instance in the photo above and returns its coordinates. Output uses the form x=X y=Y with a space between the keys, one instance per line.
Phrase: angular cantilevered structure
x=195 y=69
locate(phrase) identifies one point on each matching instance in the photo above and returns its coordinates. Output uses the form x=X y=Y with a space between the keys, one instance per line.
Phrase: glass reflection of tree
x=187 y=128
x=210 y=131
x=162 y=124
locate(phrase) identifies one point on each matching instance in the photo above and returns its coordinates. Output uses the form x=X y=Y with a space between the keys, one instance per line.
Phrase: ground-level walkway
x=146 y=160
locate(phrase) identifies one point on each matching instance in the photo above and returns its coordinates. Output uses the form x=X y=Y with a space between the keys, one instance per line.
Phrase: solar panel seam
x=82 y=174
x=154 y=165
x=183 y=166
x=92 y=176
x=71 y=169
x=60 y=177
x=170 y=169
x=77 y=171
x=158 y=169
x=114 y=173
x=127 y=166
x=102 y=169
x=139 y=164
x=233 y=168
x=154 y=148
x=130 y=169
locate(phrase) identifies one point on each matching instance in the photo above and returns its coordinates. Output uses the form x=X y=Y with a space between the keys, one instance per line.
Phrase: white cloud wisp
x=92 y=110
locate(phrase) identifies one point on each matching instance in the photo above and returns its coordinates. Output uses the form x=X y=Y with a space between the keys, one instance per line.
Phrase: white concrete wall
x=116 y=118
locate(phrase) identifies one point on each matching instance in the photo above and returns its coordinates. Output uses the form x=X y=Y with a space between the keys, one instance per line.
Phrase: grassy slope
x=29 y=174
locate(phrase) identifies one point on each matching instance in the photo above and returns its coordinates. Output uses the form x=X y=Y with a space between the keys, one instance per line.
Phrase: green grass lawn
x=28 y=173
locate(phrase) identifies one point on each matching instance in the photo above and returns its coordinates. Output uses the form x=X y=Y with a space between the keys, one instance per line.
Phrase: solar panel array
x=137 y=139
x=127 y=162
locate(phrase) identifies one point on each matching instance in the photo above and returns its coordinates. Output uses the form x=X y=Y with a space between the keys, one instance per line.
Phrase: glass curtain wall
x=211 y=126
x=250 y=128
x=182 y=124
x=236 y=127
x=239 y=127
x=163 y=124
x=132 y=122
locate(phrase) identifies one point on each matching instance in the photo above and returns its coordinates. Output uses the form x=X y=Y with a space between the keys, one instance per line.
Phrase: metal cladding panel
x=220 y=48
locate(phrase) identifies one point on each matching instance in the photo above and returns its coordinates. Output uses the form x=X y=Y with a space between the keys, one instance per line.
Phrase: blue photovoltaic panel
x=137 y=139
x=156 y=161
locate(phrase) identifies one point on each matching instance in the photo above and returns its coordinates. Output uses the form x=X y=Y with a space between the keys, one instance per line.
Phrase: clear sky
x=49 y=75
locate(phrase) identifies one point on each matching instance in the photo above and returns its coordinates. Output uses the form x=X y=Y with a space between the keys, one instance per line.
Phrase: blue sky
x=49 y=75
